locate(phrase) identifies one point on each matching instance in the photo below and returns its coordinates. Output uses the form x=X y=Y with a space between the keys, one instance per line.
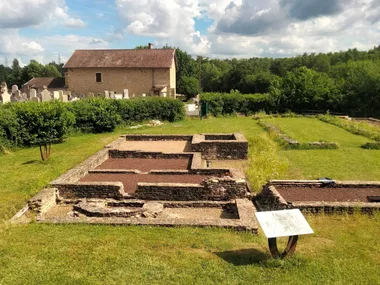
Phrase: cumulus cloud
x=169 y=21
x=13 y=44
x=306 y=9
x=74 y=23
x=29 y=13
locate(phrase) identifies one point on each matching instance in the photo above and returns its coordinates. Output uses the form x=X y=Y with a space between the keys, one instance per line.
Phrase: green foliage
x=141 y=109
x=305 y=89
x=9 y=135
x=264 y=162
x=50 y=70
x=375 y=145
x=97 y=115
x=232 y=103
x=189 y=86
x=186 y=67
x=43 y=123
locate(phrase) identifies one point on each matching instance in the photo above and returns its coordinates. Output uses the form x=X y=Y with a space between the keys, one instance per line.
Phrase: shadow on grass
x=243 y=256
x=32 y=162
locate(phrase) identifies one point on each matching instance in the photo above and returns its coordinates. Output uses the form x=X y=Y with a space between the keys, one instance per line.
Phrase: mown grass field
x=343 y=250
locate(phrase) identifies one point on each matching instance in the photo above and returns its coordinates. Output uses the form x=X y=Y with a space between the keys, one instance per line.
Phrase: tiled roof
x=126 y=58
x=49 y=82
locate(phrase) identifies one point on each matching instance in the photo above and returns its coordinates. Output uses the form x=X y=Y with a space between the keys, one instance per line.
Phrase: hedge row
x=32 y=123
x=220 y=104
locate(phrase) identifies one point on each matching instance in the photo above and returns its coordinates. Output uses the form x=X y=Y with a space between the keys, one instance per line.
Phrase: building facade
x=147 y=71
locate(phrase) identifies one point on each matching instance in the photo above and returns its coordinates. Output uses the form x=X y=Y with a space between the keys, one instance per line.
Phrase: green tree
x=304 y=88
x=16 y=75
x=189 y=86
x=33 y=69
x=44 y=123
x=50 y=70
x=186 y=67
x=211 y=77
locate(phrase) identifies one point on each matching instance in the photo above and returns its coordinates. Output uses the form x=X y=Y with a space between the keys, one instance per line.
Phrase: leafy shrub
x=141 y=109
x=375 y=145
x=228 y=104
x=96 y=115
x=43 y=124
x=8 y=128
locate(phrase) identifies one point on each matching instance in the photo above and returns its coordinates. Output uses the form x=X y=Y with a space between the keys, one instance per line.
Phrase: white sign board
x=283 y=223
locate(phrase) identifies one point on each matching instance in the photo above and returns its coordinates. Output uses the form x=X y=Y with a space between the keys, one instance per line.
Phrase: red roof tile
x=49 y=82
x=126 y=58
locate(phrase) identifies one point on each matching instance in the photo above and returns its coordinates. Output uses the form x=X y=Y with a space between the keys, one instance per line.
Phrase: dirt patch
x=327 y=194
x=130 y=180
x=197 y=213
x=59 y=211
x=159 y=146
x=145 y=164
x=238 y=164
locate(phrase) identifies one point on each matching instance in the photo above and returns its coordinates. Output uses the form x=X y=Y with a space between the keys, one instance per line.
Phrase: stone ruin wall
x=270 y=199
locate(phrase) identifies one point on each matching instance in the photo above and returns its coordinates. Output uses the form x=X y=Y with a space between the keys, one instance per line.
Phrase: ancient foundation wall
x=270 y=199
x=214 y=148
x=159 y=137
x=101 y=190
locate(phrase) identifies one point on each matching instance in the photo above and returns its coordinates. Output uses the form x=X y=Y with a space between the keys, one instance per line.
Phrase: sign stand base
x=289 y=250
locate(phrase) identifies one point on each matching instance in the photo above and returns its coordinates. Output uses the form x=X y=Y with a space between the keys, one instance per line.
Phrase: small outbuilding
x=38 y=83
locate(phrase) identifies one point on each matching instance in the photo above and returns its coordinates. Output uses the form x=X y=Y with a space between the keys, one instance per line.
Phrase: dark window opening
x=98 y=77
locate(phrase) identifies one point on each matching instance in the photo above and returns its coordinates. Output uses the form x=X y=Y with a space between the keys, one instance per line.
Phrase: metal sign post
x=285 y=223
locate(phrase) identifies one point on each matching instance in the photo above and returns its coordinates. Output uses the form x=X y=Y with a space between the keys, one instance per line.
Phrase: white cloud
x=74 y=23
x=32 y=13
x=13 y=44
x=170 y=22
x=47 y=48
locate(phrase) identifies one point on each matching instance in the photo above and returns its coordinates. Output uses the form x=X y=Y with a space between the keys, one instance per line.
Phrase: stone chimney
x=150 y=46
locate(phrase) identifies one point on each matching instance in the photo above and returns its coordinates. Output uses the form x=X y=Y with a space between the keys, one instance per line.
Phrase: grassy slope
x=81 y=254
x=349 y=162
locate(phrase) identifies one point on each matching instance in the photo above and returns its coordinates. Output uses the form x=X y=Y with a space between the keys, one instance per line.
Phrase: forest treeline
x=346 y=82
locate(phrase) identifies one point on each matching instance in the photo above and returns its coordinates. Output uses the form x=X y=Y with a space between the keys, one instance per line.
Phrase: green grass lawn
x=311 y=130
x=343 y=250
x=349 y=162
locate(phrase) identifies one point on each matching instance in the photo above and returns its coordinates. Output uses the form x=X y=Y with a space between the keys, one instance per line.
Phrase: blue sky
x=44 y=29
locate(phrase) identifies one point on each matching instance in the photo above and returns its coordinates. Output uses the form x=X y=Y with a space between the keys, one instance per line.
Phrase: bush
x=43 y=124
x=97 y=115
x=32 y=123
x=141 y=109
x=375 y=145
x=228 y=104
x=9 y=135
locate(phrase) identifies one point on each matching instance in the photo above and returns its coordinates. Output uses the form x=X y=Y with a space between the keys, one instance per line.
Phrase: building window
x=98 y=77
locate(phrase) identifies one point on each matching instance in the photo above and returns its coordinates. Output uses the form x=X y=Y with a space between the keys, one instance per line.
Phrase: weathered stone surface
x=220 y=146
x=103 y=190
x=152 y=209
x=43 y=201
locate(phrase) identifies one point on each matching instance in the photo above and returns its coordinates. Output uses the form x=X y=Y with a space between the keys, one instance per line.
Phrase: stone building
x=142 y=71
